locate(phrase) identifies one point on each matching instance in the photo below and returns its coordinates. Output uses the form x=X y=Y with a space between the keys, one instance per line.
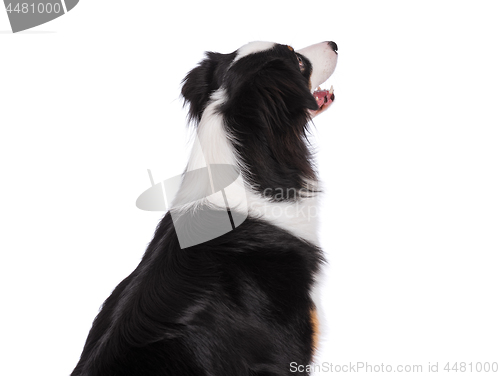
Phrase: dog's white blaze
x=252 y=48
x=323 y=60
x=213 y=146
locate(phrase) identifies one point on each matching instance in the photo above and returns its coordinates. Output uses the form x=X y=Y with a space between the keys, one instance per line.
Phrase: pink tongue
x=323 y=97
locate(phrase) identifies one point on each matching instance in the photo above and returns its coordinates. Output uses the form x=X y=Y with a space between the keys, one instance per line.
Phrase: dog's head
x=284 y=76
x=265 y=94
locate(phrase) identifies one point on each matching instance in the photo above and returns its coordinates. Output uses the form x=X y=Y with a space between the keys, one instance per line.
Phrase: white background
x=409 y=154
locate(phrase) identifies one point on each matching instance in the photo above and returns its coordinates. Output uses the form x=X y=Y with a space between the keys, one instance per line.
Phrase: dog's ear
x=202 y=81
x=197 y=87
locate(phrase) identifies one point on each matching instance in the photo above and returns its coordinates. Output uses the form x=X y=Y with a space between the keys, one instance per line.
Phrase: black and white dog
x=234 y=302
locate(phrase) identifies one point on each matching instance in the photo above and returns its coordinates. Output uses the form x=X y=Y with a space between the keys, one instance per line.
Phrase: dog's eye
x=301 y=62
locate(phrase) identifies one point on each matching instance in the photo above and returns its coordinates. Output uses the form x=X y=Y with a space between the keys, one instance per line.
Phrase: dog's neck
x=214 y=146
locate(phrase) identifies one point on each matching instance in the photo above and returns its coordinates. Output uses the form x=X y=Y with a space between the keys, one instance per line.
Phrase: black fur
x=236 y=305
x=266 y=111
x=239 y=304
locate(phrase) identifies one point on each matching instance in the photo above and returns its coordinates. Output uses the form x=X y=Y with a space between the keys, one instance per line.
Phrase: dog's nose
x=333 y=45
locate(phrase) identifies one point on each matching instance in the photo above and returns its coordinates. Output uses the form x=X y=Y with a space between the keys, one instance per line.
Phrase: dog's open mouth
x=324 y=98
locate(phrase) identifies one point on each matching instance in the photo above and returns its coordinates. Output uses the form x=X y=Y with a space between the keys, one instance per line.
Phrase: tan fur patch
x=315 y=329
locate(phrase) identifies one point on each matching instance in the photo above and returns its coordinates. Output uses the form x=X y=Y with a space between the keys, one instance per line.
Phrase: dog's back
x=236 y=305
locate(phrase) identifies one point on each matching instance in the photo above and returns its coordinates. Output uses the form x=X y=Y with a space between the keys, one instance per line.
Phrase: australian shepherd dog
x=224 y=287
